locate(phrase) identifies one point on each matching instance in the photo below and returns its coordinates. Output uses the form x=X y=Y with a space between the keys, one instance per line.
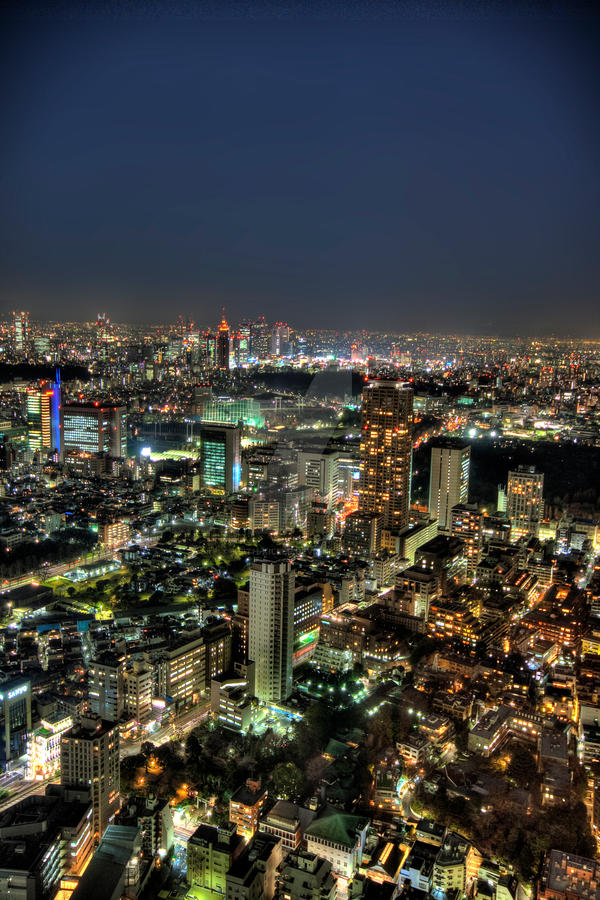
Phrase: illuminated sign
x=16 y=692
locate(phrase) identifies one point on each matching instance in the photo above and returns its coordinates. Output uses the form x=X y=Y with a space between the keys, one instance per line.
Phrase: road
x=182 y=726
x=407 y=798
x=26 y=789
x=46 y=572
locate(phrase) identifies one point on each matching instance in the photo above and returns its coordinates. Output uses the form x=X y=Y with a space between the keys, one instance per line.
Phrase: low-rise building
x=338 y=837
x=306 y=876
x=288 y=822
x=246 y=806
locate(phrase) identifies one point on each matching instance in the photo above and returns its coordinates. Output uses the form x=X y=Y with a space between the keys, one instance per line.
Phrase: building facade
x=271 y=628
x=386 y=452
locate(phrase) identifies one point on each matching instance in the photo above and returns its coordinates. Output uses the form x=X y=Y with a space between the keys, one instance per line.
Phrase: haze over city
x=403 y=167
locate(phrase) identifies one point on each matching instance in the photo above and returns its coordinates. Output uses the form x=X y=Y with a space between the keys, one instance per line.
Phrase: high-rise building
x=259 y=339
x=94 y=429
x=208 y=350
x=15 y=719
x=280 y=340
x=386 y=452
x=318 y=469
x=220 y=459
x=448 y=480
x=106 y=691
x=89 y=757
x=223 y=345
x=21 y=331
x=139 y=686
x=525 y=501
x=242 y=344
x=43 y=417
x=271 y=628
x=467 y=524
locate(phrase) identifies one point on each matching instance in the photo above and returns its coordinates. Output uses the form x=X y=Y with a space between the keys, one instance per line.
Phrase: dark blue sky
x=342 y=165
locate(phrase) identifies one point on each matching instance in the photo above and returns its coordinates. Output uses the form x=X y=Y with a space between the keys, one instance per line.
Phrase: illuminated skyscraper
x=220 y=460
x=43 y=417
x=259 y=339
x=467 y=524
x=448 y=480
x=524 y=501
x=21 y=331
x=271 y=628
x=15 y=719
x=242 y=344
x=208 y=350
x=386 y=452
x=280 y=340
x=223 y=345
x=95 y=429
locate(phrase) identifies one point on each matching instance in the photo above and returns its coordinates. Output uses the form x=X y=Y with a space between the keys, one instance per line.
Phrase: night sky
x=334 y=165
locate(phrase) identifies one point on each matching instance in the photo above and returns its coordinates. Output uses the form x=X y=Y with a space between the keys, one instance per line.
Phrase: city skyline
x=300 y=450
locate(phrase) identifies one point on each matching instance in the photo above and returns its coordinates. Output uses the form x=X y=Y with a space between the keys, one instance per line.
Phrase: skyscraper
x=318 y=469
x=280 y=339
x=448 y=480
x=467 y=524
x=106 y=685
x=95 y=429
x=259 y=339
x=43 y=417
x=21 y=332
x=386 y=452
x=242 y=344
x=89 y=757
x=15 y=719
x=271 y=628
x=524 y=501
x=220 y=460
x=223 y=345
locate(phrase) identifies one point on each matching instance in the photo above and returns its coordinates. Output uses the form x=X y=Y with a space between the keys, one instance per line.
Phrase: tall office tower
x=89 y=757
x=386 y=452
x=21 y=331
x=271 y=628
x=43 y=417
x=280 y=339
x=448 y=480
x=94 y=429
x=220 y=460
x=319 y=469
x=467 y=524
x=242 y=343
x=106 y=686
x=259 y=339
x=223 y=345
x=208 y=350
x=525 y=501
